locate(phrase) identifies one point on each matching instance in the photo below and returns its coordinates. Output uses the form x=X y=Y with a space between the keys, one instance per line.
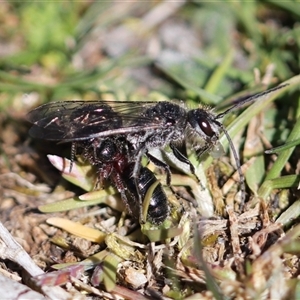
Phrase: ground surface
x=212 y=54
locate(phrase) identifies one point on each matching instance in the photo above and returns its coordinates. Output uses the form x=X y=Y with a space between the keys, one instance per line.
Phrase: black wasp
x=145 y=125
x=111 y=157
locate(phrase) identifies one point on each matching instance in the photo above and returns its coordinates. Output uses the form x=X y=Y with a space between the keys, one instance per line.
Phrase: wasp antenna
x=250 y=99
x=238 y=165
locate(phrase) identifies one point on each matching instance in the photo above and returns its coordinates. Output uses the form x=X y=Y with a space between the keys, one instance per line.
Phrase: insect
x=145 y=125
x=111 y=158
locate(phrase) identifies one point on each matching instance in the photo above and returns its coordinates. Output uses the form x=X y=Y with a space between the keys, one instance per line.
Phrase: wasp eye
x=206 y=128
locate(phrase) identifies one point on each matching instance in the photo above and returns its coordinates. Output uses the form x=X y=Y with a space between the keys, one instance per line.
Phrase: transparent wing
x=80 y=120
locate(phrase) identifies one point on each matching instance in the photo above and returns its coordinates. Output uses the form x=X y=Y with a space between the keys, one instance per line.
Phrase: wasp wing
x=80 y=120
